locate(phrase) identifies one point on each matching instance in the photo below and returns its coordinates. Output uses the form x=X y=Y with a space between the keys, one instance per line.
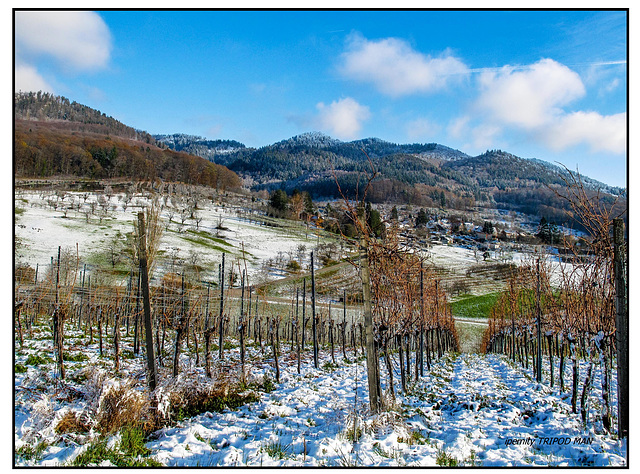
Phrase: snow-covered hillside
x=41 y=228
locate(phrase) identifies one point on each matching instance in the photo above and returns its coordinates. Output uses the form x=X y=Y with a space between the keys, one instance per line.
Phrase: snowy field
x=41 y=229
x=468 y=410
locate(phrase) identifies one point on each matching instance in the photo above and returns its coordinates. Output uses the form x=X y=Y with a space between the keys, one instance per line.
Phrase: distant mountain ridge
x=428 y=174
x=304 y=156
x=199 y=146
x=58 y=136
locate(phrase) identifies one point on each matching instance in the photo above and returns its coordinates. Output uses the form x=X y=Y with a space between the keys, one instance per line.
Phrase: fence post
x=622 y=327
x=313 y=314
x=146 y=303
x=371 y=353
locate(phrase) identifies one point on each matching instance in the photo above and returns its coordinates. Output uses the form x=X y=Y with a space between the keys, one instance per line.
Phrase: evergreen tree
x=548 y=232
x=487 y=228
x=309 y=207
x=279 y=200
x=422 y=219
x=394 y=213
x=374 y=220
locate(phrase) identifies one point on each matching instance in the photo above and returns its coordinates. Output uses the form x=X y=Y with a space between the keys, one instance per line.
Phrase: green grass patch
x=446 y=460
x=77 y=357
x=103 y=260
x=471 y=306
x=204 y=243
x=278 y=450
x=31 y=453
x=329 y=367
x=130 y=452
x=37 y=360
x=414 y=438
x=206 y=235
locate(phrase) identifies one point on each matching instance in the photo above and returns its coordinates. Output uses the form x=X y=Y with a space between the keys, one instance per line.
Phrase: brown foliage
x=72 y=422
x=42 y=150
x=121 y=406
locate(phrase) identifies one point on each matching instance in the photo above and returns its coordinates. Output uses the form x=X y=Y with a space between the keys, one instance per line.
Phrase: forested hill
x=420 y=174
x=54 y=137
x=308 y=160
x=61 y=113
x=199 y=146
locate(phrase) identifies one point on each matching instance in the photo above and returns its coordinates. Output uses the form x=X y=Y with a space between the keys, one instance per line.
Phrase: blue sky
x=544 y=84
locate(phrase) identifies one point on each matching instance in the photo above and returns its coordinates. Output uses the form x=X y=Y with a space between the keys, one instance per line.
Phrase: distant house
x=482 y=235
x=510 y=234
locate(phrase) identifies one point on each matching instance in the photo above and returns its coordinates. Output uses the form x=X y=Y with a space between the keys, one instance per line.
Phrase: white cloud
x=422 y=129
x=459 y=127
x=484 y=136
x=530 y=97
x=534 y=99
x=28 y=79
x=77 y=41
x=395 y=68
x=602 y=133
x=475 y=135
x=343 y=118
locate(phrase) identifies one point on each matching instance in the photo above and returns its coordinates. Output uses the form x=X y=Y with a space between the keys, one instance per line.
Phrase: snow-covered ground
x=469 y=409
x=41 y=229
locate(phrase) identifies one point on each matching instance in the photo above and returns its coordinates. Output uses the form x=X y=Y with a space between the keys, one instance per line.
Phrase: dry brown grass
x=185 y=397
x=122 y=405
x=72 y=422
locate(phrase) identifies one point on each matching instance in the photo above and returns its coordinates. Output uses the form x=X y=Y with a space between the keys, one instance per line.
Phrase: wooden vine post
x=221 y=320
x=241 y=326
x=146 y=304
x=622 y=327
x=58 y=323
x=313 y=314
x=372 y=360
x=539 y=328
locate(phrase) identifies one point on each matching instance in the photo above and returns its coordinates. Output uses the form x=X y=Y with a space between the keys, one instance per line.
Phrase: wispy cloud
x=395 y=68
x=422 y=129
x=525 y=67
x=28 y=79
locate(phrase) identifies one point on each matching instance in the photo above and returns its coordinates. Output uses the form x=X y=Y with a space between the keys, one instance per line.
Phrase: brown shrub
x=71 y=422
x=185 y=398
x=122 y=405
